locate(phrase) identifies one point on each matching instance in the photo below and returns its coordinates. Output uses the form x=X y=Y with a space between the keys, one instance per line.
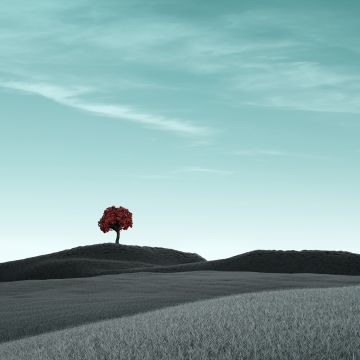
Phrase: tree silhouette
x=117 y=219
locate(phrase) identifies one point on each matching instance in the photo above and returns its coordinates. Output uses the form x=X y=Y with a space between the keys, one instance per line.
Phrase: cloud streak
x=173 y=174
x=71 y=97
x=276 y=154
x=282 y=67
x=197 y=169
x=300 y=85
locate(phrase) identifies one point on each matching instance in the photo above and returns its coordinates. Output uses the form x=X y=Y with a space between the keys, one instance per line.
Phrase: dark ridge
x=93 y=260
x=278 y=261
x=86 y=261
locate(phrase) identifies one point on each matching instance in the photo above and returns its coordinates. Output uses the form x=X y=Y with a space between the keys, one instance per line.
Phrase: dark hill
x=84 y=261
x=109 y=258
x=277 y=261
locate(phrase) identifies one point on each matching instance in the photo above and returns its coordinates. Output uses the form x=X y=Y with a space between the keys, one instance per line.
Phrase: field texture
x=37 y=306
x=282 y=325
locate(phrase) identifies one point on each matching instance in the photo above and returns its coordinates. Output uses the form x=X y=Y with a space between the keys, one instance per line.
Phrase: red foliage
x=115 y=218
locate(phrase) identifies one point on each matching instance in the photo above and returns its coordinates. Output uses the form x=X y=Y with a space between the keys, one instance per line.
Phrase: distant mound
x=103 y=259
x=84 y=261
x=278 y=261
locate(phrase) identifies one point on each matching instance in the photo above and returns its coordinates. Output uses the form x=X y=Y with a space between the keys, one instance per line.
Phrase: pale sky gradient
x=224 y=126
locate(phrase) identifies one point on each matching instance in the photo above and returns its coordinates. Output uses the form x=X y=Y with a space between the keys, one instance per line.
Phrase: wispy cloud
x=197 y=169
x=337 y=101
x=276 y=154
x=259 y=152
x=279 y=66
x=308 y=72
x=153 y=176
x=300 y=85
x=174 y=174
x=71 y=96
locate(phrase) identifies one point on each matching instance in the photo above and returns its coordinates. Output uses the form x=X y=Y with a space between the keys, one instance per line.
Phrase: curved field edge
x=286 y=324
x=30 y=308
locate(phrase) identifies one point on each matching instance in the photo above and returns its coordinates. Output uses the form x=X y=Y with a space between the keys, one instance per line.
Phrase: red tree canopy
x=115 y=218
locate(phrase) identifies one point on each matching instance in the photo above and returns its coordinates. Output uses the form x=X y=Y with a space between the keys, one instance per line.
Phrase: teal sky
x=224 y=126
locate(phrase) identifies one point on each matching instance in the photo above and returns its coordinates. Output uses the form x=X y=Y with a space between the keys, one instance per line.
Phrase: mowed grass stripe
x=288 y=324
x=37 y=306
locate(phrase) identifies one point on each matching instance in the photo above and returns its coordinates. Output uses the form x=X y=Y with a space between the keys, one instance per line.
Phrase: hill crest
x=92 y=260
x=109 y=258
x=281 y=261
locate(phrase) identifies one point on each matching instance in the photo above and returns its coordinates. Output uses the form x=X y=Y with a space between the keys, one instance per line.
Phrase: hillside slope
x=278 y=261
x=84 y=261
x=109 y=258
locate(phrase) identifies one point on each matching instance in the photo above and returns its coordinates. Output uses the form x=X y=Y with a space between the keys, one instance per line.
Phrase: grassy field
x=38 y=306
x=282 y=325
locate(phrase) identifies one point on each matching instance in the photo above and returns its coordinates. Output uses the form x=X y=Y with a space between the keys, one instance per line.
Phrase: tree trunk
x=117 y=237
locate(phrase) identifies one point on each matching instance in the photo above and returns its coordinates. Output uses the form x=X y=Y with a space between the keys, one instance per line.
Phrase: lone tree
x=117 y=219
